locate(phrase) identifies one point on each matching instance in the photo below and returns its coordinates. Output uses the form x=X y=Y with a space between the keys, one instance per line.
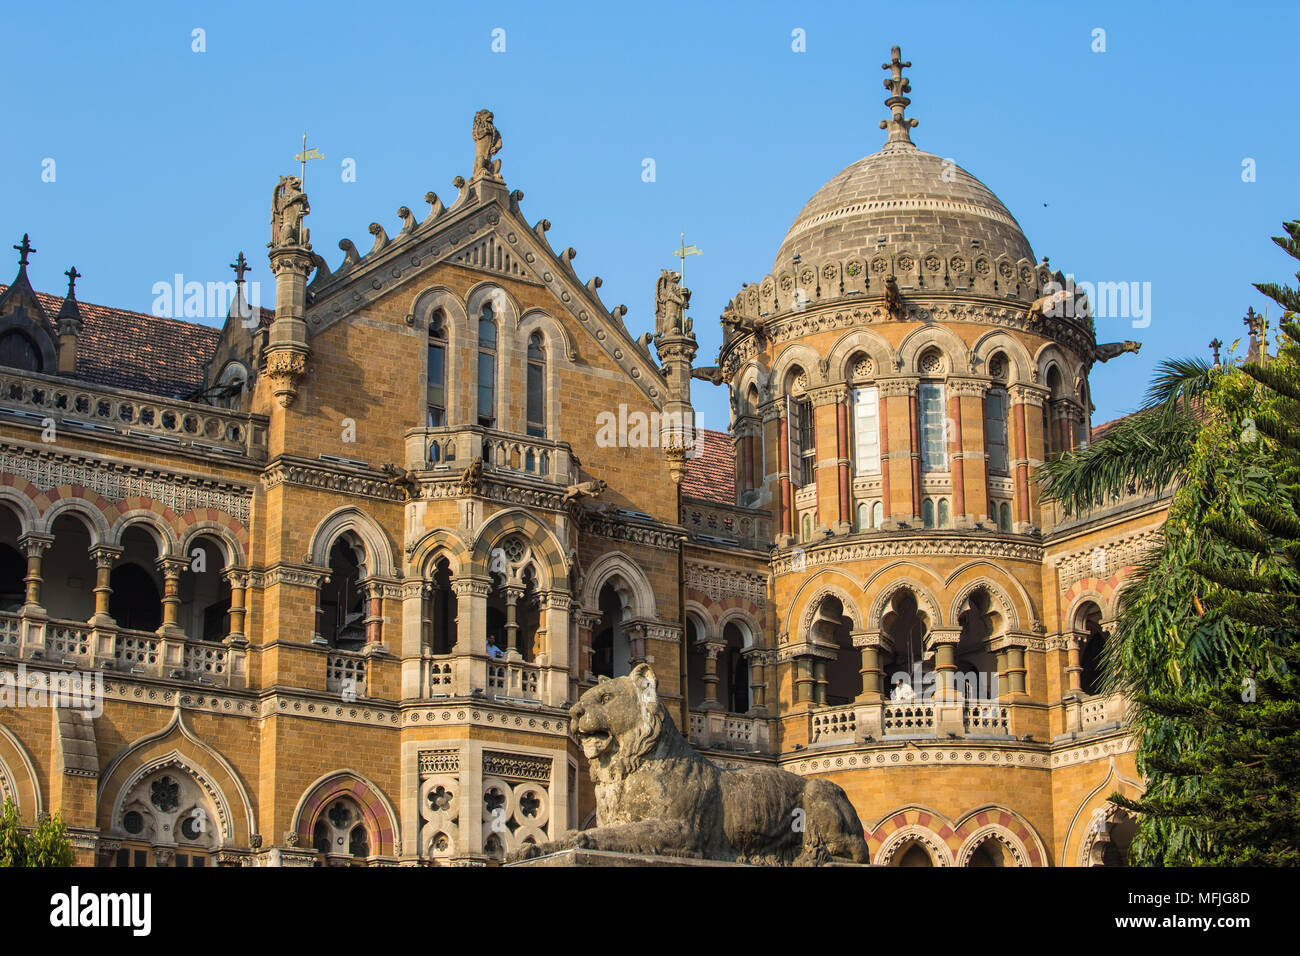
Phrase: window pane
x=866 y=430
x=437 y=375
x=487 y=334
x=486 y=389
x=535 y=347
x=927 y=512
x=934 y=452
x=945 y=513
x=995 y=430
x=536 y=401
x=795 y=450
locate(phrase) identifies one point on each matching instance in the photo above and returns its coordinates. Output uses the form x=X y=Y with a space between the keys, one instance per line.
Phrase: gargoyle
x=708 y=373
x=1110 y=350
x=399 y=477
x=472 y=479
x=583 y=489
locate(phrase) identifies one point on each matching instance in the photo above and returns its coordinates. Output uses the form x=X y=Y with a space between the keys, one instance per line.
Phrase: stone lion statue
x=288 y=208
x=487 y=143
x=656 y=795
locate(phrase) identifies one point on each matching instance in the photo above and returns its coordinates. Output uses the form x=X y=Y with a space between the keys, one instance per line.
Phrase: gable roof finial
x=241 y=267
x=899 y=126
x=24 y=250
x=73 y=275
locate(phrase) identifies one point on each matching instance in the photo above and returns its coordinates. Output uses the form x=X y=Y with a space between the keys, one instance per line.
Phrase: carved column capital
x=35 y=544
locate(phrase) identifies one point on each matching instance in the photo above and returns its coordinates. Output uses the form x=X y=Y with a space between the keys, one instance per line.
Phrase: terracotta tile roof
x=134 y=350
x=711 y=476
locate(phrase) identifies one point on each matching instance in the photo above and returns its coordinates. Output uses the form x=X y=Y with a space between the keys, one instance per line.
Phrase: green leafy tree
x=46 y=845
x=1209 y=632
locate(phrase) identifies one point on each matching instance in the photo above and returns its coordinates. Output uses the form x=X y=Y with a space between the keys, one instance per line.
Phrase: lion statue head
x=618 y=722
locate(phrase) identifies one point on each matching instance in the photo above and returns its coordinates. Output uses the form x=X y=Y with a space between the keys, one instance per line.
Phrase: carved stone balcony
x=451 y=448
x=516 y=680
x=933 y=718
x=747 y=527
x=84 y=409
x=124 y=651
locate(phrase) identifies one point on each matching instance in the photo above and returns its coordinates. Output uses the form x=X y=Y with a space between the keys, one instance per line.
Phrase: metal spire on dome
x=898 y=124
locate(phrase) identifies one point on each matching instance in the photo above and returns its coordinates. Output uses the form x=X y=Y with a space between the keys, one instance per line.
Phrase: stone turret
x=675 y=342
x=287 y=350
x=69 y=323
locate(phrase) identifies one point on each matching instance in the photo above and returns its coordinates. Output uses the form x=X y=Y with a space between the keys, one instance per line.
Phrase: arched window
x=136 y=602
x=799 y=424
x=1004 y=516
x=877 y=514
x=231 y=385
x=487 y=368
x=927 y=512
x=340 y=834
x=945 y=513
x=442 y=609
x=1089 y=633
x=437 y=387
x=831 y=627
x=536 y=392
x=18 y=351
x=611 y=655
x=906 y=627
x=342 y=600
x=864 y=516
x=934 y=444
x=1051 y=430
x=205 y=592
x=734 y=671
x=806 y=527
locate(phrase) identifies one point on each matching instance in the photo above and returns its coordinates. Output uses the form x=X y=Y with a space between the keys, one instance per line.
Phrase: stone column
x=1074 y=662
x=238 y=584
x=471 y=632
x=104 y=557
x=171 y=569
x=318 y=632
x=374 y=620
x=586 y=622
x=914 y=426
x=883 y=415
x=956 y=454
x=1019 y=453
x=1016 y=670
x=819 y=676
x=513 y=594
x=804 y=683
x=869 y=645
x=711 y=652
x=783 y=466
x=757 y=658
x=1004 y=681
x=35 y=546
x=944 y=640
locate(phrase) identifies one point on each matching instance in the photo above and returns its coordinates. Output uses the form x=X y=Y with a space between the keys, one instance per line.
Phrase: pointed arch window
x=536 y=386
x=437 y=388
x=487 y=368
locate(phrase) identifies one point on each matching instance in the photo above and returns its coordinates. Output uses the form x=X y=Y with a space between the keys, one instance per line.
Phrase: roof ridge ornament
x=487 y=143
x=899 y=126
x=25 y=249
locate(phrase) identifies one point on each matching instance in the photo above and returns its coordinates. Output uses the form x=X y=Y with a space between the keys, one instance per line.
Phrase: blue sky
x=1121 y=166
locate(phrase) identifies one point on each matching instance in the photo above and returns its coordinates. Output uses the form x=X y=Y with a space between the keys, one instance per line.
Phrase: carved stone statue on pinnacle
x=487 y=143
x=288 y=208
x=671 y=303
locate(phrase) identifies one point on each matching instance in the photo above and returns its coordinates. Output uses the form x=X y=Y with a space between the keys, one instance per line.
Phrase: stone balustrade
x=345 y=673
x=1096 y=714
x=834 y=723
x=514 y=679
x=718 y=730
x=746 y=527
x=119 y=649
x=986 y=717
x=82 y=408
x=453 y=447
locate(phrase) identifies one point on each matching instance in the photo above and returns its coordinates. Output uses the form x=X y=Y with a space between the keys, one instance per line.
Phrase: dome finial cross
x=899 y=126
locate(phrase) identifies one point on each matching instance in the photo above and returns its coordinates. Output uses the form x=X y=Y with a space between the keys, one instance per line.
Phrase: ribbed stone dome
x=913 y=200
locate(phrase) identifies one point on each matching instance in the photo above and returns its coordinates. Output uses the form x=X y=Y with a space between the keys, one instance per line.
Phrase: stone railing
x=697 y=731
x=718 y=730
x=986 y=717
x=453 y=447
x=514 y=679
x=11 y=632
x=206 y=661
x=907 y=717
x=836 y=723
x=442 y=677
x=742 y=525
x=345 y=672
x=83 y=408
x=1098 y=713
x=741 y=733
x=119 y=649
x=67 y=640
x=139 y=651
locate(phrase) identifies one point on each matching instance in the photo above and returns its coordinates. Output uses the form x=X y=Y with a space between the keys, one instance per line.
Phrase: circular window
x=133 y=821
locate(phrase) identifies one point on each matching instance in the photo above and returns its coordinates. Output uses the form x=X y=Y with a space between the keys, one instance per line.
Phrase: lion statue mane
x=656 y=795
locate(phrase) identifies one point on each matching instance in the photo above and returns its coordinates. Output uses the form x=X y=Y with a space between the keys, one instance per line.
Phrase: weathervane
x=305 y=155
x=682 y=253
x=897 y=84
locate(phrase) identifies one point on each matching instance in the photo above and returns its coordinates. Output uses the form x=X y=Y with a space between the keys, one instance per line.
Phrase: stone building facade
x=339 y=568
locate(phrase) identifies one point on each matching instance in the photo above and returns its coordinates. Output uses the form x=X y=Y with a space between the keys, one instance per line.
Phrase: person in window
x=493 y=649
x=902 y=691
